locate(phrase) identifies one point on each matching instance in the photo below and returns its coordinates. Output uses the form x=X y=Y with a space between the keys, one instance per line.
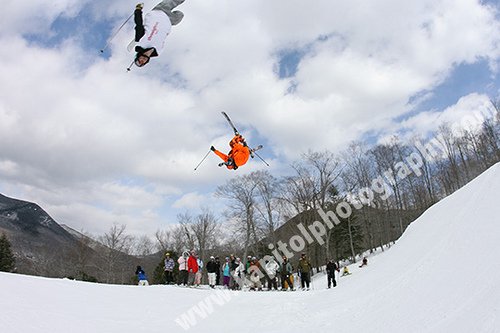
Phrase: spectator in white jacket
x=239 y=274
x=272 y=268
x=183 y=268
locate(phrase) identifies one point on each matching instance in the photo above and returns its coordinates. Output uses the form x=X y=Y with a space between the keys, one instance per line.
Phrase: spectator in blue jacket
x=143 y=280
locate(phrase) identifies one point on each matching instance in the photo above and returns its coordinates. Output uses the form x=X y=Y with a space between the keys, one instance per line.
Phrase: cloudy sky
x=95 y=145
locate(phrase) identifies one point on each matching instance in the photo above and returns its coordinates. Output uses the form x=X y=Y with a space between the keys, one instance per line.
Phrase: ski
x=259 y=147
x=253 y=150
x=131 y=45
x=230 y=123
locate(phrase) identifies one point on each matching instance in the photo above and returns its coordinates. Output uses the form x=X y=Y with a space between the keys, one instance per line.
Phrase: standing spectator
x=272 y=268
x=233 y=265
x=331 y=267
x=212 y=272
x=141 y=276
x=364 y=263
x=286 y=273
x=254 y=273
x=305 y=270
x=247 y=265
x=239 y=275
x=169 y=269
x=226 y=272
x=192 y=264
x=197 y=280
x=217 y=271
x=183 y=268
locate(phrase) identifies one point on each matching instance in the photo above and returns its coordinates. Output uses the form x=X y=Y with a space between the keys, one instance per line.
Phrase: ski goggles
x=138 y=59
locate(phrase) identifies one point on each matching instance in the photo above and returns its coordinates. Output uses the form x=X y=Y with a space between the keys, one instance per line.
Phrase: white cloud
x=23 y=17
x=467 y=114
x=191 y=201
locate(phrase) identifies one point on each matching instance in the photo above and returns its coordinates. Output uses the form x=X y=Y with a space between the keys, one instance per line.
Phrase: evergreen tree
x=158 y=274
x=7 y=261
x=345 y=242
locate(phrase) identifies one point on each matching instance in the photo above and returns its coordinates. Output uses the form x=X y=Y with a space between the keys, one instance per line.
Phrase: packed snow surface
x=443 y=275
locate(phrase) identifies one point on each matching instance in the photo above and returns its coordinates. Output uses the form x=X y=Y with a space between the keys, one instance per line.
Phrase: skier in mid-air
x=238 y=156
x=240 y=151
x=151 y=32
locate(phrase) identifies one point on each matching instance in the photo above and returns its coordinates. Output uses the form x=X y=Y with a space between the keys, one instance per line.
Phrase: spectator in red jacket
x=192 y=268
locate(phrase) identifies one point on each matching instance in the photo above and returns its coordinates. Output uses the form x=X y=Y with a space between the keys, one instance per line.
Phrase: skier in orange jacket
x=238 y=155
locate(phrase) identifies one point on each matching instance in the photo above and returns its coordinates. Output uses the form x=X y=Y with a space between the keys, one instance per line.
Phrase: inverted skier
x=237 y=156
x=152 y=31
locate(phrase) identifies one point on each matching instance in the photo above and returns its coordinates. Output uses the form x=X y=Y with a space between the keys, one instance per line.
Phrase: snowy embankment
x=441 y=276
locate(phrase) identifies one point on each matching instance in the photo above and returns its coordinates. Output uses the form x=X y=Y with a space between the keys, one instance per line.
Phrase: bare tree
x=310 y=189
x=452 y=179
x=185 y=221
x=116 y=243
x=427 y=170
x=268 y=204
x=241 y=193
x=199 y=232
x=143 y=246
x=81 y=256
x=359 y=173
x=163 y=240
x=388 y=159
x=205 y=229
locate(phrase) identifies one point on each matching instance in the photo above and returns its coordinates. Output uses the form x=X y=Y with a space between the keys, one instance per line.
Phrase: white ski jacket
x=157 y=27
x=272 y=268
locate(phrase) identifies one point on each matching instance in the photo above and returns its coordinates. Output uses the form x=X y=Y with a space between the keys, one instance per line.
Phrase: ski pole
x=203 y=159
x=261 y=158
x=129 y=67
x=310 y=279
x=116 y=32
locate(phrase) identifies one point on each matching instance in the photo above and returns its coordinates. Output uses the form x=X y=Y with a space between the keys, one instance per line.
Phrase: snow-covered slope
x=441 y=276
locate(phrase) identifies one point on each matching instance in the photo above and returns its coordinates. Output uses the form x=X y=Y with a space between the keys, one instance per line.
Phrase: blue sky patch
x=82 y=28
x=288 y=62
x=463 y=80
